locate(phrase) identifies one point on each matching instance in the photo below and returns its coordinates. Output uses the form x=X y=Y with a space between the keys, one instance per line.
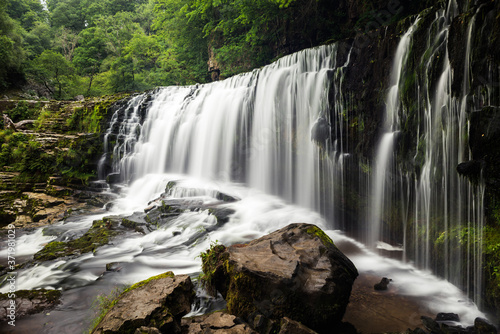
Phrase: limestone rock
x=295 y=272
x=158 y=302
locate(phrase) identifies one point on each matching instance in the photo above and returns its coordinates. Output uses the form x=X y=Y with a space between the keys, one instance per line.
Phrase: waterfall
x=385 y=150
x=443 y=212
x=284 y=130
x=253 y=128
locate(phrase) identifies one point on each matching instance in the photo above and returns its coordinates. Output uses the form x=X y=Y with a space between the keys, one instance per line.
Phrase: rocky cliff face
x=47 y=169
x=452 y=69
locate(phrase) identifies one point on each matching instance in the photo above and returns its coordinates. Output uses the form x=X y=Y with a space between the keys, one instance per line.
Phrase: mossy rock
x=98 y=235
x=159 y=301
x=31 y=301
x=296 y=272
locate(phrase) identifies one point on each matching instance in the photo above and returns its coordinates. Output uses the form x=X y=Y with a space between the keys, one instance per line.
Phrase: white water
x=256 y=214
x=381 y=198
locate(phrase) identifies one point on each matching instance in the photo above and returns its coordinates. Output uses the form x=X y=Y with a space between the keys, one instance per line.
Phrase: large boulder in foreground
x=158 y=302
x=295 y=272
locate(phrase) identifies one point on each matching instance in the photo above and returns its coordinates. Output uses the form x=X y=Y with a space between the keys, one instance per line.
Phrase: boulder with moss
x=28 y=302
x=295 y=272
x=158 y=302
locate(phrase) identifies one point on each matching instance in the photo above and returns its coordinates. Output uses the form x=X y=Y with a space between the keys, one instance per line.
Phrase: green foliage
x=491 y=251
x=23 y=111
x=53 y=70
x=211 y=259
x=11 y=52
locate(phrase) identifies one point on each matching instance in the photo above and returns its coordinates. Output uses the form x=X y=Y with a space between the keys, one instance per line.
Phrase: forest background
x=65 y=48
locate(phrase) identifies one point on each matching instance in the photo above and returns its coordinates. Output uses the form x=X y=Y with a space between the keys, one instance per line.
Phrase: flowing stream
x=249 y=137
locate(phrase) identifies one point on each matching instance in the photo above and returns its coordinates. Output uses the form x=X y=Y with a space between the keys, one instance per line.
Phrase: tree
x=67 y=13
x=37 y=40
x=26 y=12
x=52 y=69
x=66 y=40
x=184 y=45
x=11 y=52
x=90 y=54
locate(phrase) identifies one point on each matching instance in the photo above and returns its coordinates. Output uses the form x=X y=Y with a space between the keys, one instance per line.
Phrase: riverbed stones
x=160 y=302
x=295 y=272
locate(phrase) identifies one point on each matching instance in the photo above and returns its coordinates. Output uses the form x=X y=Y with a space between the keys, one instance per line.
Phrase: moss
x=170 y=186
x=316 y=231
x=211 y=260
x=98 y=235
x=240 y=286
x=146 y=281
x=169 y=208
x=50 y=296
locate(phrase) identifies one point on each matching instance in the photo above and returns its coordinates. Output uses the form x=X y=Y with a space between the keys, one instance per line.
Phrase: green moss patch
x=316 y=231
x=211 y=260
x=146 y=281
x=98 y=235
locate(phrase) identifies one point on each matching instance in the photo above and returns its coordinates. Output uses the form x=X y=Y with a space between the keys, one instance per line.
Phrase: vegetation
x=211 y=259
x=103 y=303
x=96 y=47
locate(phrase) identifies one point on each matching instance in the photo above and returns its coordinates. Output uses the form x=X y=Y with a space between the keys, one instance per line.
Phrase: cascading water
x=385 y=151
x=253 y=128
x=437 y=206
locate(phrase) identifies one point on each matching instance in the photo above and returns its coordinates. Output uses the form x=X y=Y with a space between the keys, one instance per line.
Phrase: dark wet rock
x=483 y=326
x=320 y=131
x=431 y=325
x=470 y=168
x=113 y=266
x=147 y=330
x=222 y=214
x=225 y=197
x=27 y=302
x=113 y=178
x=295 y=272
x=134 y=223
x=158 y=302
x=417 y=330
x=447 y=317
x=382 y=285
x=289 y=326
x=215 y=323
